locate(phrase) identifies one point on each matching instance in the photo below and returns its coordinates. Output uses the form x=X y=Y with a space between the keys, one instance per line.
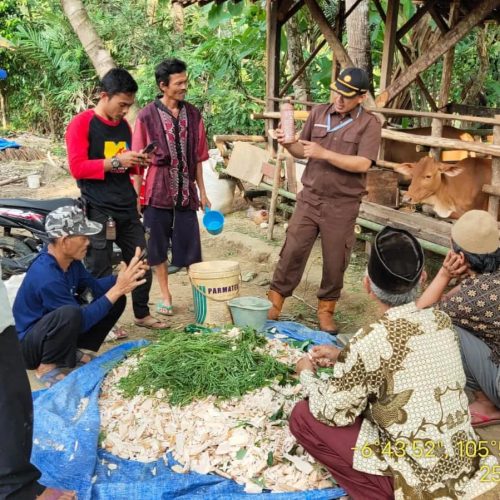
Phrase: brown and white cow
x=451 y=189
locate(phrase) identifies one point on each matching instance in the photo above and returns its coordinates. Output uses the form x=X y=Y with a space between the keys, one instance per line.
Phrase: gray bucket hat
x=70 y=221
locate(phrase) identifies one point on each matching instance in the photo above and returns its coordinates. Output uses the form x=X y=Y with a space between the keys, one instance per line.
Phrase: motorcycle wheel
x=11 y=248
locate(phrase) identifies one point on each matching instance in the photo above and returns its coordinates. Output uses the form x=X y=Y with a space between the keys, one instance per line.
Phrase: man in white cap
x=60 y=307
x=392 y=421
x=474 y=307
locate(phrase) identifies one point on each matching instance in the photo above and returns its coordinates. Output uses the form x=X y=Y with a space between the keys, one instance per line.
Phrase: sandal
x=116 y=333
x=79 y=357
x=150 y=323
x=51 y=378
x=164 y=309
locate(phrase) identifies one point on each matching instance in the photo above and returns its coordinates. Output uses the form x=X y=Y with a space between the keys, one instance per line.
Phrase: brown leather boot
x=277 y=301
x=326 y=309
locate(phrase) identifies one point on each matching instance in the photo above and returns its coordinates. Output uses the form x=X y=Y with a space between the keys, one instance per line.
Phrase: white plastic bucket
x=34 y=181
x=213 y=284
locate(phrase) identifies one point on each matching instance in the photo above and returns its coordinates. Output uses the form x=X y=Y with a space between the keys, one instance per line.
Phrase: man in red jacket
x=98 y=142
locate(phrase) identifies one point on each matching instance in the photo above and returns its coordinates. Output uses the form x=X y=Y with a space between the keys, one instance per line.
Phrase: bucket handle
x=208 y=296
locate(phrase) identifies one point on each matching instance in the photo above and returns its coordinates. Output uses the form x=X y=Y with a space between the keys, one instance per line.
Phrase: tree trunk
x=99 y=56
x=296 y=59
x=178 y=17
x=358 y=35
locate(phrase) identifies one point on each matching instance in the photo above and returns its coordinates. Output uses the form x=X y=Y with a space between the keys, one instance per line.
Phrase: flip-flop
x=79 y=356
x=164 y=309
x=151 y=324
x=484 y=420
x=116 y=333
x=50 y=378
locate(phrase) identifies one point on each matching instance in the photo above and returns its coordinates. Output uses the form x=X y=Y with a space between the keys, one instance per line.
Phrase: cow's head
x=426 y=177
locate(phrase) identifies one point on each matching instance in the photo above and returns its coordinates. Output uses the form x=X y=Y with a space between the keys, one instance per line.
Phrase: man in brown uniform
x=340 y=141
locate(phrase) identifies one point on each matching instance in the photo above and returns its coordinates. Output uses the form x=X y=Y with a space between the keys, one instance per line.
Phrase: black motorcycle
x=23 y=222
x=24 y=236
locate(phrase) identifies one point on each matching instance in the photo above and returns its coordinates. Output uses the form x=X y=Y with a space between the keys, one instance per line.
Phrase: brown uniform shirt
x=361 y=137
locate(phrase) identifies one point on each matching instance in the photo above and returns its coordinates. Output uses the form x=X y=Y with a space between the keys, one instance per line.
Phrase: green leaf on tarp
x=240 y=454
x=270 y=459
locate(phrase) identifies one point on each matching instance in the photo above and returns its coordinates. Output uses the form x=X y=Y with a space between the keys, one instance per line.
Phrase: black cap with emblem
x=396 y=261
x=351 y=82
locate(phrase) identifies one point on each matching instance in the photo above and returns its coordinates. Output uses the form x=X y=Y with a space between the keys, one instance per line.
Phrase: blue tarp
x=5 y=144
x=66 y=434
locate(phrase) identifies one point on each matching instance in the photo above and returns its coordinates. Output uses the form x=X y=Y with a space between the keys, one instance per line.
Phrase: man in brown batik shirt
x=340 y=141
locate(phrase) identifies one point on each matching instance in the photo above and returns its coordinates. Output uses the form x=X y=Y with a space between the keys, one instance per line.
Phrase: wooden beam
x=477 y=147
x=391 y=26
x=301 y=70
x=493 y=190
x=494 y=201
x=440 y=22
x=428 y=114
x=442 y=45
x=421 y=226
x=285 y=16
x=414 y=19
x=339 y=52
x=407 y=61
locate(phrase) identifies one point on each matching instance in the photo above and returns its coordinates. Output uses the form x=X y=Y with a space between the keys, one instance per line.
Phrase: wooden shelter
x=454 y=19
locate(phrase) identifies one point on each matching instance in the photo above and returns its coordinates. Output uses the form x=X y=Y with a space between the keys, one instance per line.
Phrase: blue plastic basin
x=213 y=220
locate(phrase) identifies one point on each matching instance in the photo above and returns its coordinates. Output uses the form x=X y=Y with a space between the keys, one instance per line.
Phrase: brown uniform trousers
x=334 y=220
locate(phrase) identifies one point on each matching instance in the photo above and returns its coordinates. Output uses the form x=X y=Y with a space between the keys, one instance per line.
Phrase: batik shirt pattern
x=405 y=377
x=176 y=135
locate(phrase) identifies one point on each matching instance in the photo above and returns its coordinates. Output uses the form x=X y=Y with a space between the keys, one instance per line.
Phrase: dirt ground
x=243 y=241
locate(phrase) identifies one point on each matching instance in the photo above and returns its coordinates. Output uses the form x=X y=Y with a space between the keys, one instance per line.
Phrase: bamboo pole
x=440 y=142
x=429 y=114
x=393 y=112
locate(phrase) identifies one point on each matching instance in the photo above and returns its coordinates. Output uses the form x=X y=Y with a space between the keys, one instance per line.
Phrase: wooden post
x=391 y=26
x=444 y=44
x=495 y=173
x=436 y=131
x=274 y=194
x=272 y=87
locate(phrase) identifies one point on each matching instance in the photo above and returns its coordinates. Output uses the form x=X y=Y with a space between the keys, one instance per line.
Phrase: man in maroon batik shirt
x=174 y=177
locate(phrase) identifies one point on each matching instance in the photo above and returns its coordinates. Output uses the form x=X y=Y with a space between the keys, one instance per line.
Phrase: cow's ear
x=451 y=170
x=405 y=169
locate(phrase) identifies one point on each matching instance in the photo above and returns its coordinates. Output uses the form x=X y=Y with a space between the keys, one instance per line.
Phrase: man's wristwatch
x=115 y=163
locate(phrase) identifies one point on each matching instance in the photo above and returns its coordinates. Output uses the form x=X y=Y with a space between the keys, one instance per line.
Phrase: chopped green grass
x=194 y=366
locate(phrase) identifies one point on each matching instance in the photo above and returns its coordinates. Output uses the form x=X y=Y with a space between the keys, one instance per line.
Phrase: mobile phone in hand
x=150 y=147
